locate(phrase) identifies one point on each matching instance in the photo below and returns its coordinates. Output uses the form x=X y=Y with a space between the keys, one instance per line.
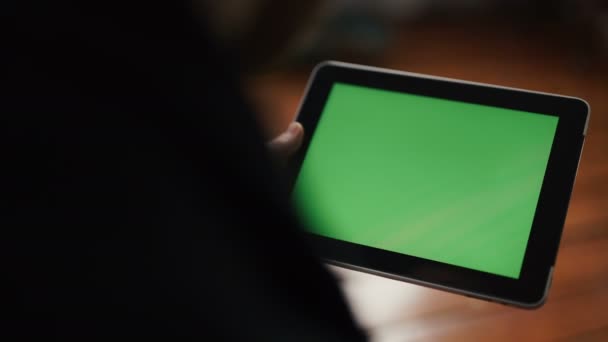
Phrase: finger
x=288 y=142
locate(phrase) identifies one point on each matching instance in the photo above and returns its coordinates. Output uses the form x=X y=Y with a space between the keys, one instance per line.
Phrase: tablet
x=456 y=185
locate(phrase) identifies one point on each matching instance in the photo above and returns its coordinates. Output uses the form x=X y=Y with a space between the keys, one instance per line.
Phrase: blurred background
x=552 y=46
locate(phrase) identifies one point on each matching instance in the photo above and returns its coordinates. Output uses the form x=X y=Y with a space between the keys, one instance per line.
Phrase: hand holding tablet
x=445 y=183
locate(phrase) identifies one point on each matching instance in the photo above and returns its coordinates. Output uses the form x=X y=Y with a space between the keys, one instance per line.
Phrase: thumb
x=288 y=142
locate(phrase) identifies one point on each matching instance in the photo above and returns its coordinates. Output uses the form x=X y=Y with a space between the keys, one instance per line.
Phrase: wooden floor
x=577 y=308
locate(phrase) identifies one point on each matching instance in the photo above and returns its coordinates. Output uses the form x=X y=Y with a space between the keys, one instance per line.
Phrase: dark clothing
x=137 y=197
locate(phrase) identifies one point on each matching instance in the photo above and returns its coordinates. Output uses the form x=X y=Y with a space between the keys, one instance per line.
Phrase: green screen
x=443 y=180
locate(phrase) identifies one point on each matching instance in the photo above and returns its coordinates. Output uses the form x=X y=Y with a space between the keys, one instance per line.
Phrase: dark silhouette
x=137 y=197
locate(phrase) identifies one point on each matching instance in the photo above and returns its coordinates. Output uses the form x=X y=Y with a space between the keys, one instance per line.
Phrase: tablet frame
x=530 y=290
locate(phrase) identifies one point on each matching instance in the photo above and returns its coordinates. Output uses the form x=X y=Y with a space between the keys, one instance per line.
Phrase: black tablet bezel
x=531 y=288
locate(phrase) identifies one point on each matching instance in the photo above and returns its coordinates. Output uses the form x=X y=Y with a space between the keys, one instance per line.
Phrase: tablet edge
x=439 y=78
x=396 y=277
